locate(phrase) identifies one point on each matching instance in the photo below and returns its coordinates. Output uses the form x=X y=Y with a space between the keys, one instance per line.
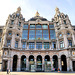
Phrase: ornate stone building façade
x=37 y=44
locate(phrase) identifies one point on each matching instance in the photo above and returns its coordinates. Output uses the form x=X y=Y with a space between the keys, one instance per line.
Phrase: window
x=45 y=35
x=38 y=27
x=25 y=34
x=10 y=33
x=12 y=22
x=68 y=33
x=45 y=26
x=17 y=34
x=31 y=45
x=46 y=45
x=25 y=26
x=0 y=30
x=32 y=26
x=38 y=34
x=51 y=26
x=60 y=35
x=19 y=24
x=8 y=42
x=54 y=44
x=70 y=43
x=52 y=34
x=39 y=45
x=64 y=21
x=24 y=45
x=31 y=34
x=0 y=39
x=61 y=44
x=16 y=44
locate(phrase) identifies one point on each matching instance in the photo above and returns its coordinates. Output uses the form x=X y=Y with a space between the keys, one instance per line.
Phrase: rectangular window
x=16 y=44
x=61 y=44
x=8 y=42
x=24 y=45
x=38 y=34
x=70 y=43
x=46 y=45
x=19 y=24
x=31 y=34
x=0 y=39
x=25 y=26
x=52 y=34
x=45 y=35
x=64 y=21
x=25 y=34
x=32 y=26
x=31 y=45
x=39 y=45
x=51 y=26
x=54 y=44
x=45 y=26
x=38 y=27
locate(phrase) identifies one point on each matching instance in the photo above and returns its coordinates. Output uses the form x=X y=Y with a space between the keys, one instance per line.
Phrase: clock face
x=5 y=53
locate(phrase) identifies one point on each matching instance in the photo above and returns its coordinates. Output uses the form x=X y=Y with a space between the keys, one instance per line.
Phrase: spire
x=37 y=14
x=57 y=10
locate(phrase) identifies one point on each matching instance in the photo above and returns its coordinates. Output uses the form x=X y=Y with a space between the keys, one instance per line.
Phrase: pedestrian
x=7 y=71
x=58 y=70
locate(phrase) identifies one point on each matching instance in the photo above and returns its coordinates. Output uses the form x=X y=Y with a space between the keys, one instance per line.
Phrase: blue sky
x=46 y=8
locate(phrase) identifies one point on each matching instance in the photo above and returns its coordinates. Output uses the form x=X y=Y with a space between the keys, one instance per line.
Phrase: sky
x=46 y=8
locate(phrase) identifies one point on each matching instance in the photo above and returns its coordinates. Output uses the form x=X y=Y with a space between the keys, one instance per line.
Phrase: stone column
x=20 y=46
x=57 y=45
x=27 y=64
x=18 y=64
x=43 y=45
x=59 y=63
x=13 y=41
x=51 y=63
x=43 y=64
x=8 y=65
x=73 y=39
x=65 y=41
x=35 y=63
x=35 y=45
x=4 y=42
x=11 y=64
x=68 y=64
x=71 y=66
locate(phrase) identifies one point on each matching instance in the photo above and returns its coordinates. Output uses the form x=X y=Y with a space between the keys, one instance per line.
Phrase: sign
x=48 y=62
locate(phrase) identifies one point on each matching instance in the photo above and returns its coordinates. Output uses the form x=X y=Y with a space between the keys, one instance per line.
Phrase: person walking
x=7 y=71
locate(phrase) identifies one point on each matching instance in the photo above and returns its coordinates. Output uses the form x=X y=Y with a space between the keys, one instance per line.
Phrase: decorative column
x=59 y=63
x=20 y=46
x=35 y=45
x=11 y=64
x=65 y=40
x=57 y=45
x=71 y=68
x=13 y=40
x=8 y=66
x=18 y=64
x=68 y=64
x=35 y=63
x=43 y=64
x=51 y=63
x=43 y=45
x=27 y=64
x=73 y=39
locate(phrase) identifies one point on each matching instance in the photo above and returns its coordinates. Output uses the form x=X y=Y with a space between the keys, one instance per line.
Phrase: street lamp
x=62 y=63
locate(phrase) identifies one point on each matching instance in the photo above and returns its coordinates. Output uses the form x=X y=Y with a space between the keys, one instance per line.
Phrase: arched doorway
x=31 y=63
x=15 y=57
x=39 y=63
x=63 y=63
x=47 y=63
x=55 y=62
x=23 y=63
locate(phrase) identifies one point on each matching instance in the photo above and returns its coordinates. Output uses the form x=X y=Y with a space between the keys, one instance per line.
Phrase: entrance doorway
x=55 y=62
x=4 y=65
x=39 y=63
x=31 y=63
x=15 y=62
x=63 y=63
x=47 y=63
x=73 y=65
x=23 y=63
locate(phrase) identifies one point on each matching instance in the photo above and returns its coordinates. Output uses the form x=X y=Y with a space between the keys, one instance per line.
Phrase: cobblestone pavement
x=37 y=73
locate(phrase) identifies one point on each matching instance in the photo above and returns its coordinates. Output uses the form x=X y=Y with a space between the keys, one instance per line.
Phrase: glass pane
x=45 y=26
x=32 y=26
x=24 y=45
x=39 y=45
x=52 y=34
x=51 y=26
x=25 y=26
x=25 y=34
x=38 y=27
x=46 y=45
x=31 y=45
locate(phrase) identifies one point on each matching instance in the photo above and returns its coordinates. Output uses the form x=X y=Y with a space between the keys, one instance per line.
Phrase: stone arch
x=63 y=63
x=23 y=63
x=15 y=58
x=55 y=62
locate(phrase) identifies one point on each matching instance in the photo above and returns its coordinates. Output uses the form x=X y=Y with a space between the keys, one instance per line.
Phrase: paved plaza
x=37 y=73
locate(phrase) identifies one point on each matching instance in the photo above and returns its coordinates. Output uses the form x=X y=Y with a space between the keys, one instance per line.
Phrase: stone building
x=38 y=44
